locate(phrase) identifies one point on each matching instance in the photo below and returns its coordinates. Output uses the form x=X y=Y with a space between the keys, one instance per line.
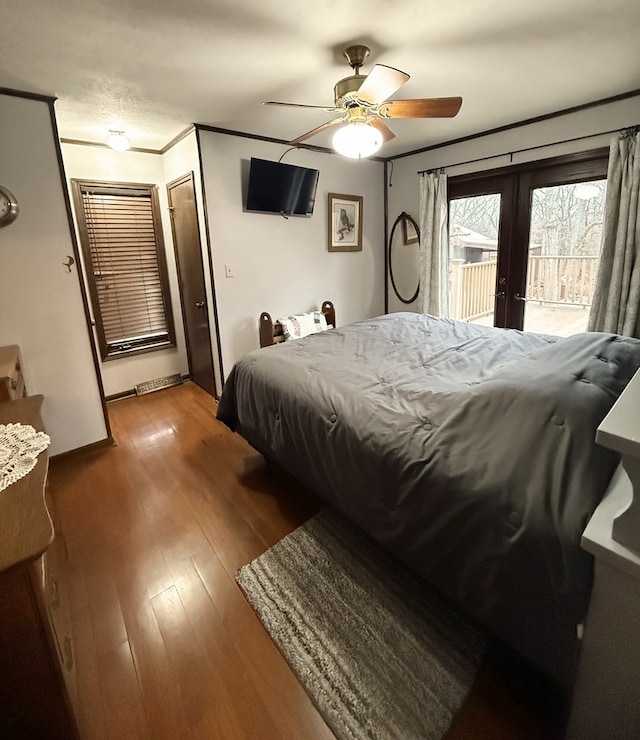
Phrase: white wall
x=283 y=265
x=403 y=194
x=181 y=159
x=40 y=300
x=98 y=163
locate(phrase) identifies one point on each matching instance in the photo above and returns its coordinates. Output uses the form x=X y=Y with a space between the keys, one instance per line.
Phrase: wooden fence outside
x=550 y=279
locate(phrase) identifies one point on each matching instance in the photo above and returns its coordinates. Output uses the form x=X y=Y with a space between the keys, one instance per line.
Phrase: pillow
x=302 y=324
x=320 y=321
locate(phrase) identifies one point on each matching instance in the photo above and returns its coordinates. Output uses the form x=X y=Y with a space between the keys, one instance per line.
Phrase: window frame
x=115 y=349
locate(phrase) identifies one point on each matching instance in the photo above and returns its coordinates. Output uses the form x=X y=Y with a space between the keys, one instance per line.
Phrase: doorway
x=524 y=243
x=195 y=312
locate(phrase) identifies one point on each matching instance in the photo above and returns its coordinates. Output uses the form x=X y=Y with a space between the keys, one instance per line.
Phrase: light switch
x=228 y=271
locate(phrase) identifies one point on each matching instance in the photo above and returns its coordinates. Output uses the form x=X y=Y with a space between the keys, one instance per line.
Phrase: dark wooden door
x=186 y=238
x=556 y=283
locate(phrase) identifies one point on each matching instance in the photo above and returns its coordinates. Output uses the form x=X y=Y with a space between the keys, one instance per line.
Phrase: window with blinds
x=125 y=264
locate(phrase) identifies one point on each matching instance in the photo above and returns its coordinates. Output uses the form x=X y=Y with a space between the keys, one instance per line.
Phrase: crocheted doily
x=20 y=446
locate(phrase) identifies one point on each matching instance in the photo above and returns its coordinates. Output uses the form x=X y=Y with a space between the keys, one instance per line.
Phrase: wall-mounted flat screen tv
x=275 y=187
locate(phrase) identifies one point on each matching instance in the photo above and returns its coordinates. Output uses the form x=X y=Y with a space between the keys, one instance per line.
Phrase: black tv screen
x=275 y=187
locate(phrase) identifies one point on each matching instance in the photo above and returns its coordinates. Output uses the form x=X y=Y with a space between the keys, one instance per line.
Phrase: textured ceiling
x=152 y=67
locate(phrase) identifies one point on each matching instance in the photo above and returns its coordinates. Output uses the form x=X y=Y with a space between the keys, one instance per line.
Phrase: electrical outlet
x=228 y=271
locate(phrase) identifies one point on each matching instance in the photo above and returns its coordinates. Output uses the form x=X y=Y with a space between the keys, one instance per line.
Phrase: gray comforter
x=468 y=451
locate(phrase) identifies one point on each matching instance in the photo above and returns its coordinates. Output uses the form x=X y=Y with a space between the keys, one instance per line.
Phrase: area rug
x=378 y=652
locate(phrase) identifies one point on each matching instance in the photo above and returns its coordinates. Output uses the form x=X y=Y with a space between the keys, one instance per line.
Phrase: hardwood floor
x=166 y=647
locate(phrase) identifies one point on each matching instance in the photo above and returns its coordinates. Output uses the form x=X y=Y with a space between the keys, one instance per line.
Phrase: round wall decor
x=407 y=221
x=8 y=207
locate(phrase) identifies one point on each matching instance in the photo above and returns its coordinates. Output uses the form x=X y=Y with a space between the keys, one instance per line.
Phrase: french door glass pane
x=474 y=224
x=564 y=246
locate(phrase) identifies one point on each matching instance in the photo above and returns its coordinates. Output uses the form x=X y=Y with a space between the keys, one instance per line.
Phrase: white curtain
x=616 y=300
x=433 y=297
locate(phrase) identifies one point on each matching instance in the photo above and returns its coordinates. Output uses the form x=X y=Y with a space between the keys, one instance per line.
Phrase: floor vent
x=155 y=385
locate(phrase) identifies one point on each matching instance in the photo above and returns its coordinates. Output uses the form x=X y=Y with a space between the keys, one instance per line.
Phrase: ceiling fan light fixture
x=357 y=140
x=362 y=103
x=118 y=141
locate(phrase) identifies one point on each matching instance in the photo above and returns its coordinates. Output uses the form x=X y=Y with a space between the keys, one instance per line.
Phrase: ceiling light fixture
x=357 y=140
x=118 y=141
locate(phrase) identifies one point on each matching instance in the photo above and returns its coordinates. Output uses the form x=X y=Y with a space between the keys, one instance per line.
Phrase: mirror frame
x=402 y=219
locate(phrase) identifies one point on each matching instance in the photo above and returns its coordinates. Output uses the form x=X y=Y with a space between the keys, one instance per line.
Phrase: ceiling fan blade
x=317 y=130
x=298 y=105
x=381 y=82
x=387 y=133
x=421 y=108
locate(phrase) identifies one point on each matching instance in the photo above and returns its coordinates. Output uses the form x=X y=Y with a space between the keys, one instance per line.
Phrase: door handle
x=199 y=304
x=518 y=297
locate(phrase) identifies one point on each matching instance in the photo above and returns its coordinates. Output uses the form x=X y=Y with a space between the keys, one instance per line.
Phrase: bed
x=468 y=451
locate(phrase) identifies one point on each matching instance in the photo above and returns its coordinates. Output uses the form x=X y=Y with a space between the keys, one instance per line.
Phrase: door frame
x=189 y=177
x=515 y=183
x=492 y=184
x=548 y=176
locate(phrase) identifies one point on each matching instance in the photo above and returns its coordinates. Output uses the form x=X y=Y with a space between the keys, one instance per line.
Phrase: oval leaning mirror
x=404 y=257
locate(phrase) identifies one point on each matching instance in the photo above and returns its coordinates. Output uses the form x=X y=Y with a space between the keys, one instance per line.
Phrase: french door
x=524 y=243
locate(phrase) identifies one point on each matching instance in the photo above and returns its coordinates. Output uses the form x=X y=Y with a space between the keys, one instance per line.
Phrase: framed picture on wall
x=409 y=233
x=345 y=223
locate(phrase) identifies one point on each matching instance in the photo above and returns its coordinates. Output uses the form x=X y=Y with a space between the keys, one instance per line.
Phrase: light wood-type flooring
x=166 y=647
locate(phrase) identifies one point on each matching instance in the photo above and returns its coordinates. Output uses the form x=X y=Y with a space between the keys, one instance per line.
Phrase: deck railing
x=550 y=279
x=473 y=285
x=561 y=279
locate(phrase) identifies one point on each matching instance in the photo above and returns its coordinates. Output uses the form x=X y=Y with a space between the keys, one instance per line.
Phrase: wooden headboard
x=271 y=332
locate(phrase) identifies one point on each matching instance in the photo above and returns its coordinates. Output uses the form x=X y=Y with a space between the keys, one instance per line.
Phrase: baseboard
x=101 y=444
x=118 y=396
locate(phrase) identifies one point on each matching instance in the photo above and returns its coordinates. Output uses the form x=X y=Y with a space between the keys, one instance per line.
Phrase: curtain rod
x=529 y=149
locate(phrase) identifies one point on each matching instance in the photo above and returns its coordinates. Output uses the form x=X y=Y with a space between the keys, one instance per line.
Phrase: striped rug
x=378 y=652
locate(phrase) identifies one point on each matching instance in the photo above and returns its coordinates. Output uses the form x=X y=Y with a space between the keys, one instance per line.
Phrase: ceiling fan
x=361 y=103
